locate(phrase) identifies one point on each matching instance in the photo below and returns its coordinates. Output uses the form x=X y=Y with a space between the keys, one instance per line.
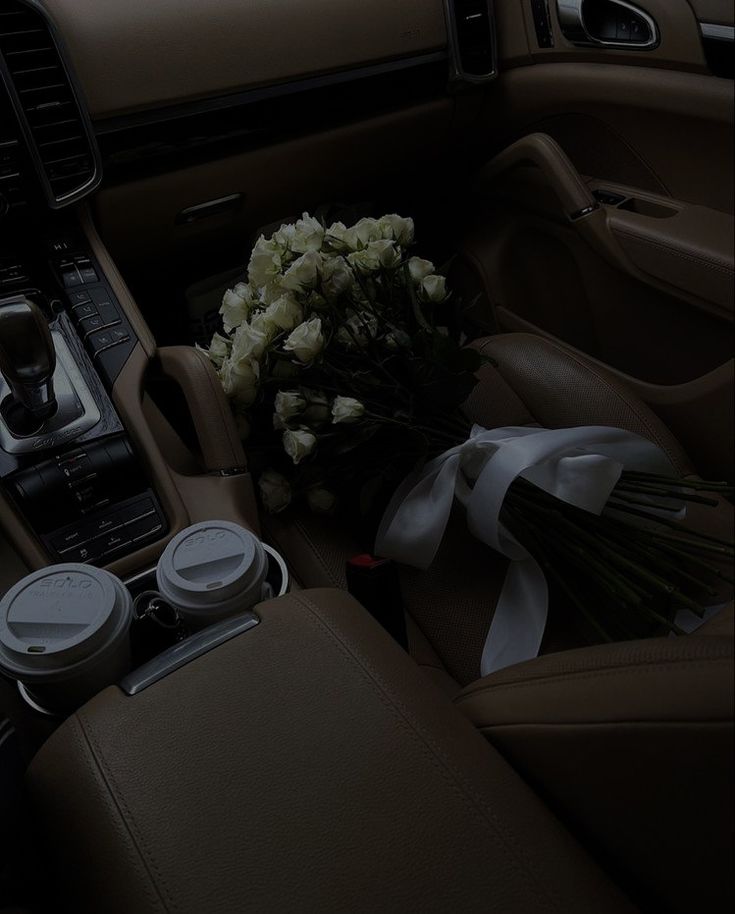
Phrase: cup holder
x=157 y=628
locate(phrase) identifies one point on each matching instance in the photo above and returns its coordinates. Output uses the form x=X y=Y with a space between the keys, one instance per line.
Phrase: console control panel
x=89 y=499
x=97 y=315
x=89 y=503
x=110 y=533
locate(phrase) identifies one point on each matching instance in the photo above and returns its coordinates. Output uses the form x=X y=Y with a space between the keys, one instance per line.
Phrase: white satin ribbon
x=580 y=466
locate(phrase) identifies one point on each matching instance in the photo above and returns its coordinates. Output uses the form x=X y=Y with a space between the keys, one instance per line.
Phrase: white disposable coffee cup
x=64 y=633
x=213 y=570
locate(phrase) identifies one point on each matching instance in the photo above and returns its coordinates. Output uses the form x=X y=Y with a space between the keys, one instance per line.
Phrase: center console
x=69 y=466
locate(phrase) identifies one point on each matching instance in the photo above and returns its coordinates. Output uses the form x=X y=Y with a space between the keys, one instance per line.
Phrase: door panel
x=648 y=292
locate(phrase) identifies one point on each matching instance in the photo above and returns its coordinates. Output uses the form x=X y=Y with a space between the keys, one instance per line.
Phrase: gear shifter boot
x=44 y=399
x=28 y=362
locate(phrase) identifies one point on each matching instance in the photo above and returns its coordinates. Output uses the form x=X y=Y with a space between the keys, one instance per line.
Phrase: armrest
x=305 y=765
x=689 y=248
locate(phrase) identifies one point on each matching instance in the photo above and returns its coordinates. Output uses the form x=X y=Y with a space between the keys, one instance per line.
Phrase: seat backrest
x=632 y=745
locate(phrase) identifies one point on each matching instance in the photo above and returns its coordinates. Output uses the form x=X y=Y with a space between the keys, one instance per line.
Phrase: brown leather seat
x=632 y=746
x=306 y=765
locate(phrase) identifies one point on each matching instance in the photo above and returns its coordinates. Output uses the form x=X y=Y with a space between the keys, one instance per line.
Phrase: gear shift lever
x=28 y=361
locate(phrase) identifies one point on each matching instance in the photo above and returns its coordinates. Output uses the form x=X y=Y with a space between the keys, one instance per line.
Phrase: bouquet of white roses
x=343 y=358
x=339 y=341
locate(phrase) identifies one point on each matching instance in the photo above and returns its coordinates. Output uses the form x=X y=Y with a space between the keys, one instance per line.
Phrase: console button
x=142 y=529
x=136 y=511
x=83 y=311
x=86 y=552
x=100 y=340
x=92 y=323
x=71 y=278
x=101 y=526
x=76 y=466
x=108 y=312
x=113 y=542
x=100 y=295
x=88 y=274
x=79 y=298
x=62 y=542
x=119 y=335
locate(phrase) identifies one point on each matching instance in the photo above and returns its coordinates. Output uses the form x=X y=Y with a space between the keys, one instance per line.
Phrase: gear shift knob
x=28 y=357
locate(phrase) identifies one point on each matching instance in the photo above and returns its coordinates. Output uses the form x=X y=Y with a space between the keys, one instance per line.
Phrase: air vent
x=14 y=165
x=471 y=26
x=54 y=122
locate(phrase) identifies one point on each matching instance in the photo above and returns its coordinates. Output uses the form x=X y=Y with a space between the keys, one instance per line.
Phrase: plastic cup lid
x=210 y=564
x=59 y=616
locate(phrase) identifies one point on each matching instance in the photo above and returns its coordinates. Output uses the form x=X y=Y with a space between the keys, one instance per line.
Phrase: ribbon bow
x=580 y=466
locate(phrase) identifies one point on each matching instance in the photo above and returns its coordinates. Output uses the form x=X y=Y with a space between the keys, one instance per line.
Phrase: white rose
x=367 y=230
x=245 y=291
x=240 y=380
x=285 y=313
x=337 y=236
x=396 y=228
x=275 y=491
x=434 y=288
x=321 y=501
x=365 y=261
x=219 y=349
x=306 y=341
x=389 y=256
x=235 y=309
x=284 y=237
x=249 y=342
x=289 y=403
x=303 y=273
x=420 y=269
x=262 y=324
x=346 y=410
x=265 y=263
x=271 y=293
x=298 y=444
x=308 y=236
x=337 y=277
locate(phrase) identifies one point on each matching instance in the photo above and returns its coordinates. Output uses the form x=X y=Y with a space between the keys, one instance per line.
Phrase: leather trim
x=218 y=439
x=627 y=399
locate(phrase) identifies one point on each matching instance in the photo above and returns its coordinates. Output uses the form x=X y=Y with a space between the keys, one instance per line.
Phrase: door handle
x=607 y=24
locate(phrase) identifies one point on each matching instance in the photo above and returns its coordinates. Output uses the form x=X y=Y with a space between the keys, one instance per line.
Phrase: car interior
x=572 y=160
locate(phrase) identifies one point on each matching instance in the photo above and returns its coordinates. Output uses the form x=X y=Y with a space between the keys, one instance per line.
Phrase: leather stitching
x=223 y=410
x=649 y=724
x=317 y=553
x=89 y=760
x=643 y=419
x=655 y=667
x=95 y=752
x=453 y=777
x=700 y=260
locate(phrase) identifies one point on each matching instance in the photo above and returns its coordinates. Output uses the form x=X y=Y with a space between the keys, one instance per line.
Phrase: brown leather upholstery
x=632 y=745
x=538 y=380
x=535 y=381
x=304 y=766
